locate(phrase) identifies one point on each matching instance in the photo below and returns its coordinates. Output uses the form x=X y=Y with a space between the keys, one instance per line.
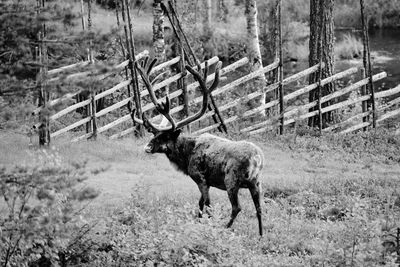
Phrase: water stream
x=385 y=56
x=385 y=43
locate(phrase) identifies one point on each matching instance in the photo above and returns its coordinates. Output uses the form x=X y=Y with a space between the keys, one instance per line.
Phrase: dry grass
x=348 y=48
x=120 y=165
x=306 y=181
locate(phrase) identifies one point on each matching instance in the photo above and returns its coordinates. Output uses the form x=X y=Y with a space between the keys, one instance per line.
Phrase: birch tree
x=253 y=46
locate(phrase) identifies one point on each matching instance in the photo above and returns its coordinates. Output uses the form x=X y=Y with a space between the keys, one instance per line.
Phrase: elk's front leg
x=205 y=197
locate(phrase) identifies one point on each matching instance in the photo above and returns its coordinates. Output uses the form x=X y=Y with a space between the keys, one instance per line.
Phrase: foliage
x=21 y=27
x=349 y=47
x=378 y=144
x=336 y=215
x=133 y=4
x=40 y=222
x=381 y=13
x=20 y=64
x=331 y=222
x=295 y=40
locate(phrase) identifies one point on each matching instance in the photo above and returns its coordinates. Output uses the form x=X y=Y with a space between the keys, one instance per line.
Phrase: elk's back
x=222 y=162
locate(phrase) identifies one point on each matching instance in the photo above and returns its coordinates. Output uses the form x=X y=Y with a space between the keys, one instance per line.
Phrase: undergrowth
x=378 y=144
x=41 y=222
x=331 y=219
x=331 y=223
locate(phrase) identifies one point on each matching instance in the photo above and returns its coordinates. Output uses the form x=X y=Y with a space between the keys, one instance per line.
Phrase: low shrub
x=330 y=222
x=40 y=223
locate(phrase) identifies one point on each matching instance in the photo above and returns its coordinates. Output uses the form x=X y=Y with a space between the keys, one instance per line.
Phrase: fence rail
x=345 y=103
x=289 y=114
x=116 y=69
x=190 y=88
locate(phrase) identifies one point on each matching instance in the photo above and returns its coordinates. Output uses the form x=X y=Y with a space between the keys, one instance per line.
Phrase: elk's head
x=163 y=142
x=165 y=138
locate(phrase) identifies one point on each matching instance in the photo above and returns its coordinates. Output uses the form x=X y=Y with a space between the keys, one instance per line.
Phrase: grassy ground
x=325 y=203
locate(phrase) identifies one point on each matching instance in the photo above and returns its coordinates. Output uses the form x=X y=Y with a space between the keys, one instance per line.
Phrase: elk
x=211 y=161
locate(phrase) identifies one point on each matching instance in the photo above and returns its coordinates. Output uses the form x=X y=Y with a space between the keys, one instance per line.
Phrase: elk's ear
x=175 y=134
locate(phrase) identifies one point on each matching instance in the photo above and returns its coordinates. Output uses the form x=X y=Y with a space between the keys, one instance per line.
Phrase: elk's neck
x=179 y=155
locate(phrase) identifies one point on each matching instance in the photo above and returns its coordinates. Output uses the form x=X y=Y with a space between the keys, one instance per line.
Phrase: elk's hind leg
x=233 y=197
x=255 y=191
x=204 y=199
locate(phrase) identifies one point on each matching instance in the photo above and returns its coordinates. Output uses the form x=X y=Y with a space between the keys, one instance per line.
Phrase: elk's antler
x=164 y=107
x=145 y=122
x=206 y=91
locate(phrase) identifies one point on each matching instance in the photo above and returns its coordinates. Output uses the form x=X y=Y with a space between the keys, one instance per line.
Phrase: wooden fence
x=226 y=102
x=88 y=102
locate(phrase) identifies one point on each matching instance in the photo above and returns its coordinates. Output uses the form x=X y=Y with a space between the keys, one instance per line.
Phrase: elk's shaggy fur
x=209 y=160
x=214 y=161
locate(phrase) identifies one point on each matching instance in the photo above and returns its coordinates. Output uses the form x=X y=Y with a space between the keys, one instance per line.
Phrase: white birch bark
x=253 y=46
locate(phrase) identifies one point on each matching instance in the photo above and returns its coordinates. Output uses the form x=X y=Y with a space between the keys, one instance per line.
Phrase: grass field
x=325 y=204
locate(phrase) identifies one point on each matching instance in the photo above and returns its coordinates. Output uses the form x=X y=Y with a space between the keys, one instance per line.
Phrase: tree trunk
x=207 y=40
x=158 y=31
x=82 y=15
x=159 y=40
x=223 y=11
x=271 y=27
x=254 y=53
x=207 y=19
x=321 y=26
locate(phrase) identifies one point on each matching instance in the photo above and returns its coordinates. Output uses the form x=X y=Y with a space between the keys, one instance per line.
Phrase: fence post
x=131 y=53
x=88 y=109
x=319 y=92
x=174 y=20
x=367 y=61
x=319 y=89
x=91 y=108
x=182 y=84
x=364 y=104
x=93 y=116
x=281 y=92
x=82 y=15
x=44 y=95
x=179 y=28
x=128 y=87
x=274 y=74
x=93 y=104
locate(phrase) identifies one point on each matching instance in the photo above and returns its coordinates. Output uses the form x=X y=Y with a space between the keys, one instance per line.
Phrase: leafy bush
x=40 y=222
x=381 y=13
x=347 y=15
x=325 y=222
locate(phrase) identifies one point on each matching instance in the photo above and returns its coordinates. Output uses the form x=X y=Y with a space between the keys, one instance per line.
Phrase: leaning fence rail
x=70 y=77
x=348 y=102
x=125 y=101
x=253 y=95
x=290 y=114
x=190 y=88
